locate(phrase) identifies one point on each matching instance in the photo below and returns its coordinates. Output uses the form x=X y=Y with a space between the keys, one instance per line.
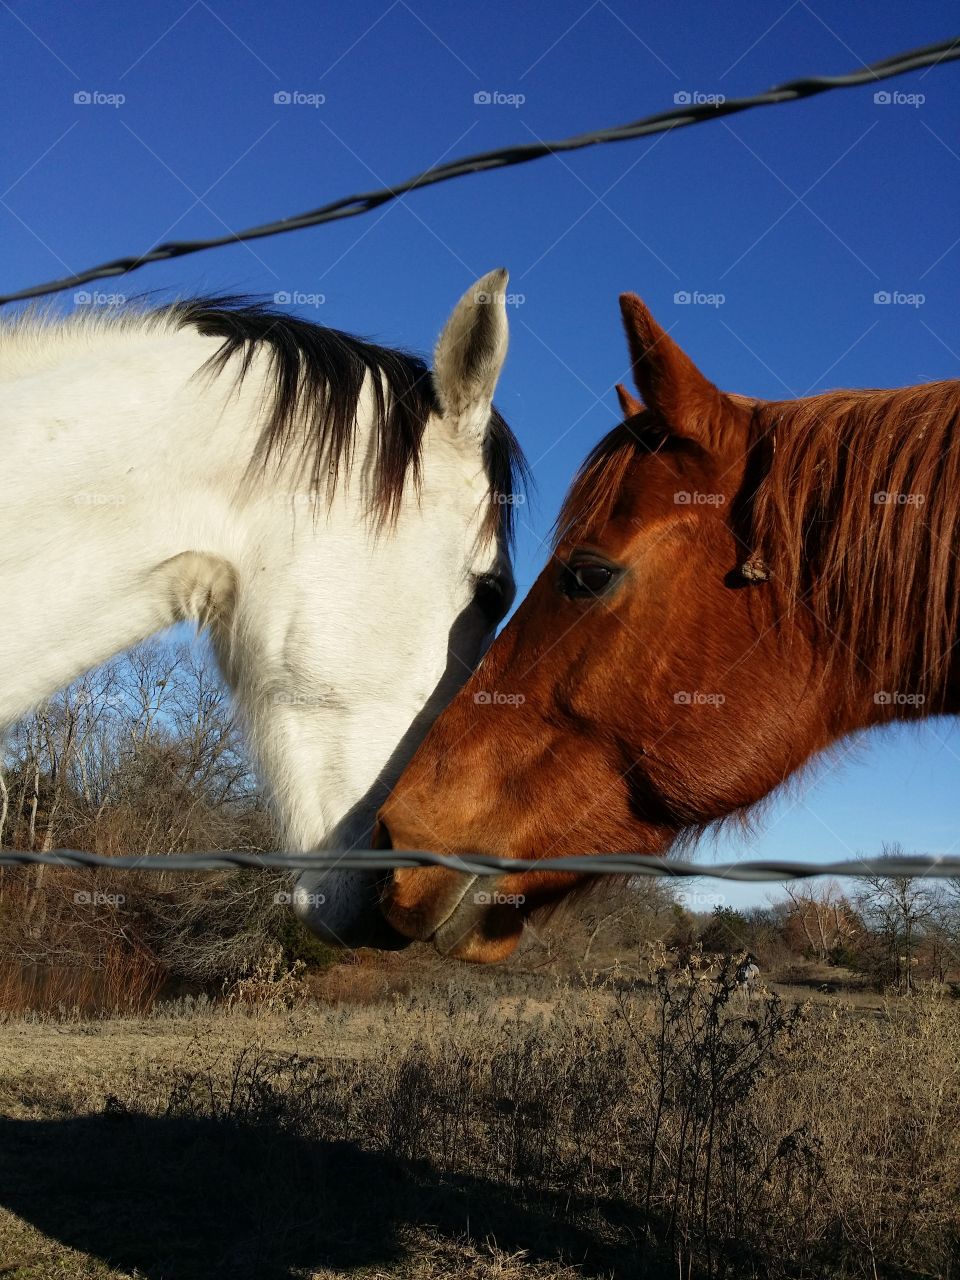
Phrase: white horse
x=338 y=518
x=747 y=978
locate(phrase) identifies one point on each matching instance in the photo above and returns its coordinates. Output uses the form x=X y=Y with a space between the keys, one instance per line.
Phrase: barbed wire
x=503 y=157
x=615 y=864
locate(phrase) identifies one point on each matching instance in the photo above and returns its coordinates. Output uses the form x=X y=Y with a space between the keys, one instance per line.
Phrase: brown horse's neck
x=791 y=709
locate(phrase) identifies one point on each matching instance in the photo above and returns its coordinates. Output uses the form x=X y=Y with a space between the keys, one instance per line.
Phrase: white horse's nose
x=342 y=908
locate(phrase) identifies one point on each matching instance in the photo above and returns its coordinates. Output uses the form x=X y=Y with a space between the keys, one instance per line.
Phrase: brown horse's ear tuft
x=672 y=386
x=630 y=406
x=755 y=569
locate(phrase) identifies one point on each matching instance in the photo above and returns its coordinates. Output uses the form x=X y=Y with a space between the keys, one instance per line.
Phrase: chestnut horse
x=736 y=585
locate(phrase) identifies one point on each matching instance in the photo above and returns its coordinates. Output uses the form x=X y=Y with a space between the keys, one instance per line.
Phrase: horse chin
x=342 y=909
x=455 y=912
x=480 y=933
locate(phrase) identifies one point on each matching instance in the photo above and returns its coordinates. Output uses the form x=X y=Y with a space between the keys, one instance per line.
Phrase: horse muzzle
x=342 y=909
x=462 y=915
x=458 y=913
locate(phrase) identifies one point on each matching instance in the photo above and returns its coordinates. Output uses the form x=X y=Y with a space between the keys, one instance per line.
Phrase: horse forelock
x=602 y=477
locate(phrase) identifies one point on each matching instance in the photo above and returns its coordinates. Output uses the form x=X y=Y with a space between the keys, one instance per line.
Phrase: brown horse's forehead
x=612 y=537
x=645 y=502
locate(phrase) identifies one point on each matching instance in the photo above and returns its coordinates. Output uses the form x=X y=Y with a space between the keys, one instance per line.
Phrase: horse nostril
x=380 y=839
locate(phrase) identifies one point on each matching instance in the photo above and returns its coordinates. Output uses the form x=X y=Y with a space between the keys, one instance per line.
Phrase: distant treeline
x=144 y=755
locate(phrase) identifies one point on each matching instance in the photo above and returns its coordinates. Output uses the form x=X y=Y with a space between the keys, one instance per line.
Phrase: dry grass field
x=584 y=1112
x=483 y=1125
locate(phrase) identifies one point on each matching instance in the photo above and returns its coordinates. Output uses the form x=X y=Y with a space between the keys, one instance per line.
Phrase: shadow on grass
x=199 y=1199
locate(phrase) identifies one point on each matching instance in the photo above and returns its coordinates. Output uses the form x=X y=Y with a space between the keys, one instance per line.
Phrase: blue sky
x=796 y=216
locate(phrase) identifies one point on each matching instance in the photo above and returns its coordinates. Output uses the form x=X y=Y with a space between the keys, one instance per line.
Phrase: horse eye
x=492 y=596
x=586 y=578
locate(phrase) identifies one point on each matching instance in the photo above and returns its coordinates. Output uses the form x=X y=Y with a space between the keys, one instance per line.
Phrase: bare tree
x=823 y=917
x=143 y=756
x=898 y=913
x=619 y=918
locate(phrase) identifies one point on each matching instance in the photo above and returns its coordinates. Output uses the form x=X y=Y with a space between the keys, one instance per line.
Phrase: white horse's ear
x=470 y=353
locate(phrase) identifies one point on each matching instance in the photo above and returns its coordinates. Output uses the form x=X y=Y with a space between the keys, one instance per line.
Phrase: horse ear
x=470 y=354
x=672 y=386
x=630 y=406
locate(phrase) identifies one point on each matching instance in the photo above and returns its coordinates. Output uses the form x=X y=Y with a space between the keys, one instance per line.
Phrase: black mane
x=318 y=375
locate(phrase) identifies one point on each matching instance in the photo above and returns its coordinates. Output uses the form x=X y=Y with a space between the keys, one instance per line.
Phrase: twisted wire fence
x=682 y=116
x=615 y=864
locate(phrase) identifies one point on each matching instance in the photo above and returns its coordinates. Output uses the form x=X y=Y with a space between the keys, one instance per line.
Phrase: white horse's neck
x=113 y=469
x=126 y=504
